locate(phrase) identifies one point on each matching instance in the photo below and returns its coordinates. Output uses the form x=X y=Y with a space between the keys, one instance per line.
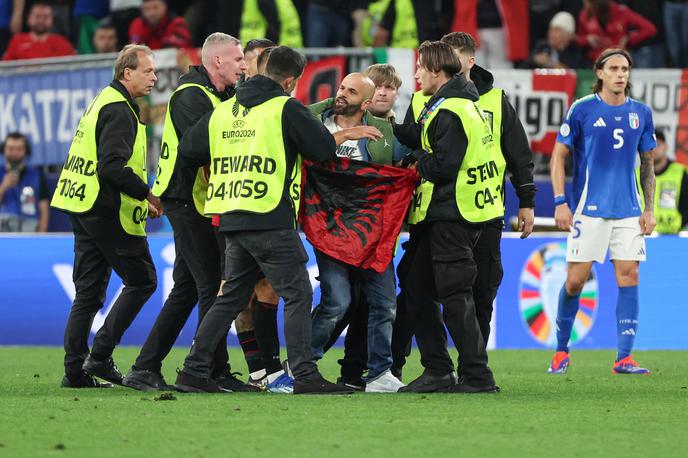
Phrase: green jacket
x=378 y=151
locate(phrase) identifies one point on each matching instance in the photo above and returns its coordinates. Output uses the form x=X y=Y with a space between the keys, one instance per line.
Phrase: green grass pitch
x=588 y=412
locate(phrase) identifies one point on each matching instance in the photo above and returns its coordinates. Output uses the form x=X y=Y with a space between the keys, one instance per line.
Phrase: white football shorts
x=591 y=237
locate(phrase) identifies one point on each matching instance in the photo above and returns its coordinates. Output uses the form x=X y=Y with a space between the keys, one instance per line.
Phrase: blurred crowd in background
x=512 y=34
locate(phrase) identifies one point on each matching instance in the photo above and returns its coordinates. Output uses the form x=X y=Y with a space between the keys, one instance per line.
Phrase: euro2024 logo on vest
x=542 y=277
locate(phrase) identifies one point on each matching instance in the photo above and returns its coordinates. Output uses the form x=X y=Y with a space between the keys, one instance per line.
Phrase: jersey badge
x=634 y=120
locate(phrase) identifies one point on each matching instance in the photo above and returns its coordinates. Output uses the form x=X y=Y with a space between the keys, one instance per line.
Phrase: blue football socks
x=626 y=320
x=566 y=314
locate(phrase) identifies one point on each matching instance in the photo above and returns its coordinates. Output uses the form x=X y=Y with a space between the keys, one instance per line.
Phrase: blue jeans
x=676 y=32
x=326 y=29
x=335 y=298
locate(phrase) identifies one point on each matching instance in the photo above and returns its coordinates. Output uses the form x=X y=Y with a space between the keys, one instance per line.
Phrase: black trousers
x=488 y=259
x=282 y=258
x=443 y=270
x=100 y=246
x=196 y=276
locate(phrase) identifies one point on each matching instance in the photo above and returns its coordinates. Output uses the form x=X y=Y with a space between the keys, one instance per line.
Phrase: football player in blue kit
x=604 y=131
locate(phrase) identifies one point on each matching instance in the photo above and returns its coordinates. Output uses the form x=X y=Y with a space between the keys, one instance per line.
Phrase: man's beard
x=40 y=30
x=347 y=109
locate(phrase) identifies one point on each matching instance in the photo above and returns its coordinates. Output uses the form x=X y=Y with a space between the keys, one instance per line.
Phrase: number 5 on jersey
x=618 y=138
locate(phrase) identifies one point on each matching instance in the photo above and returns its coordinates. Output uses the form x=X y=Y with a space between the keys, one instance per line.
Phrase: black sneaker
x=428 y=383
x=355 y=384
x=144 y=380
x=227 y=381
x=396 y=371
x=188 y=383
x=318 y=385
x=105 y=369
x=463 y=387
x=85 y=381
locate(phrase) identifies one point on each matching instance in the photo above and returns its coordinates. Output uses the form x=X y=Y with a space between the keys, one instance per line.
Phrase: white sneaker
x=384 y=383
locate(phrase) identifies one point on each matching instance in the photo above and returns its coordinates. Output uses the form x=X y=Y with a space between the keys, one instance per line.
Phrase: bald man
x=360 y=136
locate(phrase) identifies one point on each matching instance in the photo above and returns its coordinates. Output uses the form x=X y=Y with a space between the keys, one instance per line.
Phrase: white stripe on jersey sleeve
x=575 y=103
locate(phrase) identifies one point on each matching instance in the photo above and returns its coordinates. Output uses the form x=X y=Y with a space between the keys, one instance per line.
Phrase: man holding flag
x=359 y=136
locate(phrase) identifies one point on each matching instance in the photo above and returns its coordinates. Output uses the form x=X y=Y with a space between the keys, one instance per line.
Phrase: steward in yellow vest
x=103 y=188
x=254 y=159
x=510 y=136
x=279 y=14
x=671 y=190
x=462 y=173
x=93 y=158
x=397 y=17
x=253 y=144
x=464 y=185
x=513 y=145
x=197 y=266
x=194 y=97
x=671 y=202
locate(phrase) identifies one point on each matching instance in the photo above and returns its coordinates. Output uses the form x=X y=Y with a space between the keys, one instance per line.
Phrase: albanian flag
x=353 y=210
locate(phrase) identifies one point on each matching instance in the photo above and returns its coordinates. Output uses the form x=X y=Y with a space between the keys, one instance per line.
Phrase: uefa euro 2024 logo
x=542 y=277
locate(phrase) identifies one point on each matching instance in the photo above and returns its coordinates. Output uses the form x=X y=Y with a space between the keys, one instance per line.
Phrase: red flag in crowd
x=353 y=210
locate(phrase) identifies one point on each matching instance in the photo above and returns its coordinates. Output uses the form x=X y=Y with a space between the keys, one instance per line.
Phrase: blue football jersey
x=605 y=141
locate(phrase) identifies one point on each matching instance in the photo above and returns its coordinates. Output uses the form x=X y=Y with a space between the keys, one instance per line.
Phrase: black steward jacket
x=449 y=144
x=515 y=145
x=115 y=135
x=301 y=133
x=187 y=107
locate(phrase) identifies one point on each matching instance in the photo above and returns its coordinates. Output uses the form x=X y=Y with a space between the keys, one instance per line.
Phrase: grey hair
x=128 y=57
x=214 y=39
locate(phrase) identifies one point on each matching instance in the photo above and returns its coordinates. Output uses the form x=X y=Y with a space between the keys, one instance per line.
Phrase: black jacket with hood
x=187 y=107
x=514 y=142
x=515 y=145
x=449 y=143
x=301 y=132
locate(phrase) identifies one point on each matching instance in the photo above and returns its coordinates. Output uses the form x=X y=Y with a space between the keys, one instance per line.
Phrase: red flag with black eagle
x=353 y=210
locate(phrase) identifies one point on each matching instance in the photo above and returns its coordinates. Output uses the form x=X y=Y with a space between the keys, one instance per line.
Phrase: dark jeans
x=281 y=257
x=443 y=270
x=196 y=276
x=488 y=259
x=379 y=291
x=100 y=246
x=354 y=363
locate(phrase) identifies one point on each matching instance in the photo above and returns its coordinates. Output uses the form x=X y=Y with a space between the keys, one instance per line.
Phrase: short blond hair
x=128 y=57
x=382 y=74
